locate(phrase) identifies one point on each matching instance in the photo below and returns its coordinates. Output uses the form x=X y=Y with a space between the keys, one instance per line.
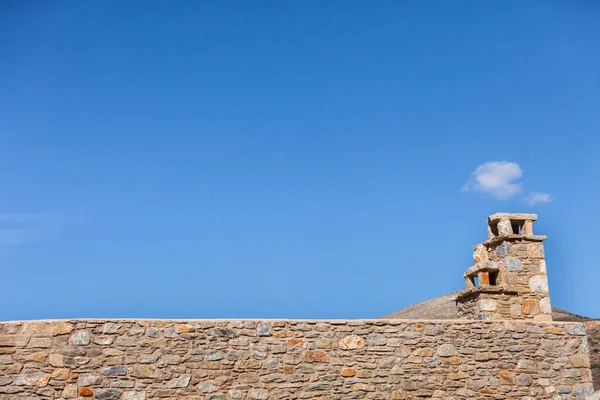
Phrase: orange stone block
x=316 y=356
x=61 y=373
x=288 y=369
x=297 y=342
x=451 y=360
x=507 y=378
x=555 y=330
x=530 y=307
x=484 y=278
x=348 y=372
x=352 y=342
x=85 y=392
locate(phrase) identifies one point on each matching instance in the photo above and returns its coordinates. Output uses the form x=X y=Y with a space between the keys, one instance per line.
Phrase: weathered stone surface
x=446 y=350
x=81 y=338
x=70 y=391
x=503 y=249
x=104 y=340
x=214 y=355
x=316 y=356
x=545 y=306
x=576 y=329
x=512 y=264
x=580 y=360
x=63 y=328
x=487 y=305
x=171 y=359
x=5 y=380
x=34 y=379
x=170 y=333
x=480 y=254
x=40 y=342
x=122 y=384
x=264 y=329
x=258 y=394
x=110 y=328
x=153 y=333
x=352 y=342
x=142 y=371
x=114 y=371
x=539 y=283
x=125 y=341
x=583 y=391
x=107 y=394
x=292 y=359
x=134 y=396
x=8 y=341
x=336 y=360
x=507 y=377
x=542 y=266
x=56 y=360
x=524 y=380
x=179 y=382
x=297 y=342
x=207 y=387
x=225 y=332
x=89 y=380
x=530 y=307
x=504 y=227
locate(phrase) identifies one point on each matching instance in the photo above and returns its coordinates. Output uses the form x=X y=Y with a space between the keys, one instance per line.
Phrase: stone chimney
x=508 y=280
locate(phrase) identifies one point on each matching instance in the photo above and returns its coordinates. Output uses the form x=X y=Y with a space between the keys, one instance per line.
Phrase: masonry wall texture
x=260 y=360
x=511 y=273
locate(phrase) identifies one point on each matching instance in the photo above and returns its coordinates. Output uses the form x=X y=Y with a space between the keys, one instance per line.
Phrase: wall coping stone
x=512 y=216
x=374 y=321
x=512 y=238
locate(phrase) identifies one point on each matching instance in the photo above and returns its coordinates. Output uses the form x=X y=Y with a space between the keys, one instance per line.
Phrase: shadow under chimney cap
x=512 y=216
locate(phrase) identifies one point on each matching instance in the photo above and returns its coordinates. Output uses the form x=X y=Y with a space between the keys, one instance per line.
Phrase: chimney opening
x=517 y=227
x=494 y=228
x=494 y=278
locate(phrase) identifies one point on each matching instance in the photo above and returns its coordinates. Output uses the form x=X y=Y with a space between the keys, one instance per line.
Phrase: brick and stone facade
x=508 y=279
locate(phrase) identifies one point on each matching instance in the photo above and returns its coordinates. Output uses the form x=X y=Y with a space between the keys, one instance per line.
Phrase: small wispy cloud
x=501 y=180
x=496 y=178
x=21 y=228
x=537 y=198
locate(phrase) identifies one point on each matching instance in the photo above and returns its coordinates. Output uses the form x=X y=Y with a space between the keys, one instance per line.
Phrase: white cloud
x=537 y=198
x=499 y=179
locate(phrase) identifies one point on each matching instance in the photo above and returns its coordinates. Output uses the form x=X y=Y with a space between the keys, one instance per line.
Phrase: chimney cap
x=512 y=216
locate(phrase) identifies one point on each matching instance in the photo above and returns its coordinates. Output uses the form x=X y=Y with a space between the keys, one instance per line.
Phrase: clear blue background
x=286 y=159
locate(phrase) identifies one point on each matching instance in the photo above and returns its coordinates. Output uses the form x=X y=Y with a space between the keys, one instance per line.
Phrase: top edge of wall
x=377 y=321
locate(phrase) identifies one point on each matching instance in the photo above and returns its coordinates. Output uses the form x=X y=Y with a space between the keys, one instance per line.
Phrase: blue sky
x=289 y=159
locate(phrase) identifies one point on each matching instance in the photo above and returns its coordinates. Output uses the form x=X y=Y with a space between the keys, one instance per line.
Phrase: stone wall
x=222 y=360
